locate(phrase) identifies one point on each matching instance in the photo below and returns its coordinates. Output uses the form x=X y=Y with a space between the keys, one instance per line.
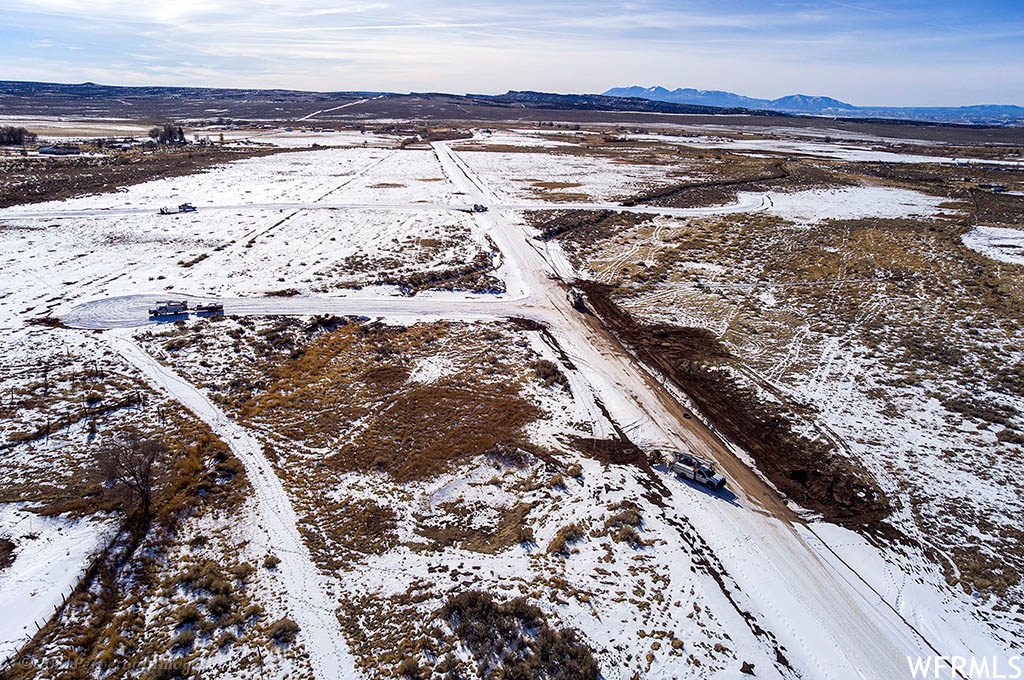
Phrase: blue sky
x=897 y=52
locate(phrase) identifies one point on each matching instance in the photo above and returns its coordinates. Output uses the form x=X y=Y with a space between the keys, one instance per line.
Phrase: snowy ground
x=806 y=308
x=50 y=555
x=839 y=150
x=515 y=176
x=999 y=243
x=807 y=207
x=716 y=581
x=297 y=137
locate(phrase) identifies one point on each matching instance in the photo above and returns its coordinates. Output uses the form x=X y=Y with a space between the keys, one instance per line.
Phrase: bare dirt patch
x=6 y=552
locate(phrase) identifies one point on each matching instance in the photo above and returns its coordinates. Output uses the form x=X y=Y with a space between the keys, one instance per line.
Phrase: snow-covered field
x=260 y=228
x=298 y=137
x=843 y=149
x=514 y=176
x=660 y=578
x=849 y=203
x=50 y=554
x=999 y=243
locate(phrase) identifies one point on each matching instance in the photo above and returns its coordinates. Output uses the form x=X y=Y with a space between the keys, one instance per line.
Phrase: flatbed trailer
x=210 y=309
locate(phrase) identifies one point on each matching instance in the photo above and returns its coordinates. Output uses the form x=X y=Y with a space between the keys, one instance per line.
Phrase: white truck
x=183 y=208
x=165 y=308
x=574 y=296
x=697 y=470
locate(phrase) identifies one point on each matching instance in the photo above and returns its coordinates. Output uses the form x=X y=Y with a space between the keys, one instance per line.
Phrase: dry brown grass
x=427 y=428
x=456 y=530
x=565 y=537
x=342 y=531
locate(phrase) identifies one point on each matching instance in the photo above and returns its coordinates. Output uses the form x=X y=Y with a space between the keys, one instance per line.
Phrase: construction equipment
x=210 y=309
x=183 y=208
x=698 y=470
x=575 y=298
x=165 y=308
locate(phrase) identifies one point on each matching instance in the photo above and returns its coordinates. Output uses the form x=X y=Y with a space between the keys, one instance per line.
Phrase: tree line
x=168 y=133
x=15 y=136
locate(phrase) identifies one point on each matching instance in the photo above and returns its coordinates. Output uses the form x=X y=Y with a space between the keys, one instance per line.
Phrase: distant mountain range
x=86 y=100
x=827 y=106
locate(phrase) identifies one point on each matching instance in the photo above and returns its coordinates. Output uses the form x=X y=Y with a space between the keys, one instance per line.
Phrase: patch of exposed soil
x=579 y=225
x=6 y=552
x=811 y=473
x=998 y=208
x=610 y=451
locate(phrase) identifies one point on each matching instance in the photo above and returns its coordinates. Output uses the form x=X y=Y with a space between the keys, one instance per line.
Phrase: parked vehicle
x=183 y=208
x=166 y=308
x=576 y=299
x=210 y=309
x=698 y=470
x=479 y=208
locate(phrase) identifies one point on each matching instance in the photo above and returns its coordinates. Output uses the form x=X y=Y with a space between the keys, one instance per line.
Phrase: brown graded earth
x=809 y=473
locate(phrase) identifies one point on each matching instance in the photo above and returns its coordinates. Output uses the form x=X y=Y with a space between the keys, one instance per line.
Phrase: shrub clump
x=623 y=525
x=570 y=533
x=549 y=374
x=188 y=615
x=283 y=631
x=183 y=641
x=410 y=668
x=514 y=640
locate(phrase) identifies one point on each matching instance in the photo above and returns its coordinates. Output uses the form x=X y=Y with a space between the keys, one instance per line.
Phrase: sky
x=866 y=52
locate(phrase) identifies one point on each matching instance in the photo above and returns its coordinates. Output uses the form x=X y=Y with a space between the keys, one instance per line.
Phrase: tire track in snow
x=310 y=601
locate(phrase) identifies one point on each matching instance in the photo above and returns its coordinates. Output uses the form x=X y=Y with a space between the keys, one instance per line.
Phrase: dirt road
x=809 y=602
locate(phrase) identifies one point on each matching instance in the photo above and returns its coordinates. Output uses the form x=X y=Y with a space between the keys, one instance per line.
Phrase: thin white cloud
x=861 y=50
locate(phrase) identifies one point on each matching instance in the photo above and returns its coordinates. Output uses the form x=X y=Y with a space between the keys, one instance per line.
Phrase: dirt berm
x=812 y=473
